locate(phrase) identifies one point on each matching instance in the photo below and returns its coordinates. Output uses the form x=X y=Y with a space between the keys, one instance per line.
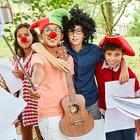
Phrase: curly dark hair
x=18 y=50
x=78 y=17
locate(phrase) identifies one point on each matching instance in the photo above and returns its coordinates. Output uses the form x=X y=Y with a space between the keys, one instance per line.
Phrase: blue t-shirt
x=84 y=67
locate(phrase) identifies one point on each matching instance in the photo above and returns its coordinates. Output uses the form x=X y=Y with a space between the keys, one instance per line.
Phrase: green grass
x=133 y=62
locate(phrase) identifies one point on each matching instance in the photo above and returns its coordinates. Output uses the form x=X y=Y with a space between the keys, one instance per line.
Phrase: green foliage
x=135 y=25
x=37 y=10
x=60 y=3
x=19 y=1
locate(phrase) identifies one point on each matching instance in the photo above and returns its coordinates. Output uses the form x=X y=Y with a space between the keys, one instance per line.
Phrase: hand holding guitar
x=76 y=120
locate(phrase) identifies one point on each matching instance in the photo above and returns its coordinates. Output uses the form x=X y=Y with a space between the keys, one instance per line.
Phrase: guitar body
x=76 y=120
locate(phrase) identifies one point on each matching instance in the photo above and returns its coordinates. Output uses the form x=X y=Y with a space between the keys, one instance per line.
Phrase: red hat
x=41 y=24
x=120 y=41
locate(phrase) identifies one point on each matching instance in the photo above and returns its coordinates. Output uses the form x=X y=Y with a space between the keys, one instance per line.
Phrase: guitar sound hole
x=74 y=108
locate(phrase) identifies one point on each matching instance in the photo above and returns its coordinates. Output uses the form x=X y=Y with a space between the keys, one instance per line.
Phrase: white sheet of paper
x=130 y=107
x=9 y=133
x=114 y=88
x=14 y=84
x=125 y=112
x=97 y=133
x=115 y=120
x=10 y=108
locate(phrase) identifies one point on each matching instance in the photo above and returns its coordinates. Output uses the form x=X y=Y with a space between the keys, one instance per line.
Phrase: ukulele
x=76 y=120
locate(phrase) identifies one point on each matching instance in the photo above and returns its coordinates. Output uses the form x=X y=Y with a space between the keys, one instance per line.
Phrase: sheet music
x=130 y=107
x=114 y=88
x=9 y=133
x=12 y=107
x=116 y=120
x=14 y=84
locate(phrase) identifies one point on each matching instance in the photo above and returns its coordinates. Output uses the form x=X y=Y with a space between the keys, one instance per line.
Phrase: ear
x=62 y=35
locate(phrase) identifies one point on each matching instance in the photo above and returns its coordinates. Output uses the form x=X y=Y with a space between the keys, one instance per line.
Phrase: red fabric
x=41 y=24
x=29 y=114
x=120 y=41
x=105 y=75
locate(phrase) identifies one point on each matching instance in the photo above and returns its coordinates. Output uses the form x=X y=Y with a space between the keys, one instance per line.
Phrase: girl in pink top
x=22 y=44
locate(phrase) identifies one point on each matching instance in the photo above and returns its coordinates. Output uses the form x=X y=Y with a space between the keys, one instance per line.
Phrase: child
x=50 y=81
x=109 y=70
x=22 y=45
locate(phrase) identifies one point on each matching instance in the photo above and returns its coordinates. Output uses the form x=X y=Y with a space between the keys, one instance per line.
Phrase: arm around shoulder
x=56 y=62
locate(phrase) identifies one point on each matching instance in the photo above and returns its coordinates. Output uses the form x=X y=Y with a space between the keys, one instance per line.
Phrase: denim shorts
x=94 y=111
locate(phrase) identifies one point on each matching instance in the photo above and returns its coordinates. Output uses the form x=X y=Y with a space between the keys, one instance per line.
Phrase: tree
x=135 y=25
x=37 y=9
x=112 y=11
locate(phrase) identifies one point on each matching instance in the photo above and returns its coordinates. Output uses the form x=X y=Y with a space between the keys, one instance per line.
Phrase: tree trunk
x=107 y=11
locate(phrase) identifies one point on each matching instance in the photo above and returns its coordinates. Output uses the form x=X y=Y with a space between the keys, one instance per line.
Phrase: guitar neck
x=70 y=86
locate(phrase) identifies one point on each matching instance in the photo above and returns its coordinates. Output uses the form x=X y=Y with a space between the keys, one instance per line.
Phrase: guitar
x=76 y=120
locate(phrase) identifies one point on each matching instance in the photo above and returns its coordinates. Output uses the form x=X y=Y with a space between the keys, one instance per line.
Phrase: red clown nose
x=23 y=39
x=52 y=35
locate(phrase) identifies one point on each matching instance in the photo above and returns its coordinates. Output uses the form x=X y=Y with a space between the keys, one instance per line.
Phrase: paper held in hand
x=12 y=107
x=128 y=106
x=14 y=84
x=114 y=88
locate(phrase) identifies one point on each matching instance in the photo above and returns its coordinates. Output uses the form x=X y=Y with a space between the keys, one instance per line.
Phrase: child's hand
x=124 y=77
x=19 y=74
x=16 y=122
x=34 y=93
x=60 y=64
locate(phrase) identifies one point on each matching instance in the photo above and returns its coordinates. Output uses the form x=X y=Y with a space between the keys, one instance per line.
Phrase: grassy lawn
x=133 y=62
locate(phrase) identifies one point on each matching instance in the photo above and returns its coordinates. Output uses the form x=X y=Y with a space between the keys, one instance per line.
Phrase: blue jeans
x=127 y=134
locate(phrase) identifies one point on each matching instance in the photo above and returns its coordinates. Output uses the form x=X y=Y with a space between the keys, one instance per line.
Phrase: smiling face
x=52 y=35
x=24 y=37
x=76 y=36
x=113 y=57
